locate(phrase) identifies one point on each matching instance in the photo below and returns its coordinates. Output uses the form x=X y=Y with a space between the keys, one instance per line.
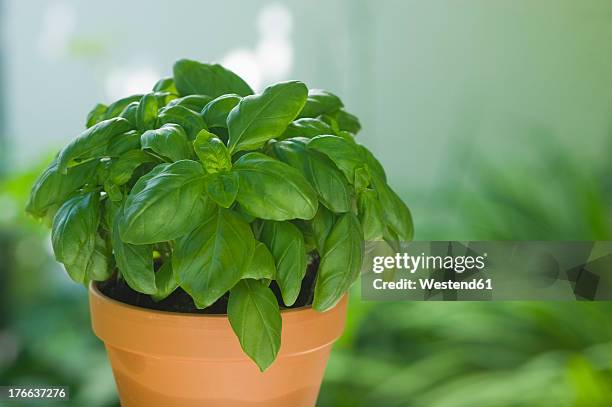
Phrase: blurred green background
x=493 y=119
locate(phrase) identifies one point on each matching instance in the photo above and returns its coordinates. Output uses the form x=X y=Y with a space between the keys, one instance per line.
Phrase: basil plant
x=204 y=186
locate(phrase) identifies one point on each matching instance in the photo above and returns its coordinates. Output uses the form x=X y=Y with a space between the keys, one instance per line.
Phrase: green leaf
x=362 y=178
x=306 y=231
x=259 y=118
x=330 y=184
x=99 y=267
x=373 y=164
x=211 y=151
x=163 y=98
x=222 y=187
x=243 y=214
x=130 y=113
x=192 y=102
x=308 y=128
x=165 y=282
x=348 y=136
x=397 y=215
x=135 y=262
x=212 y=258
x=348 y=122
x=146 y=114
x=122 y=169
x=96 y=114
x=270 y=189
x=320 y=102
x=321 y=226
x=165 y=204
x=255 y=317
x=341 y=262
x=371 y=215
x=262 y=264
x=53 y=188
x=113 y=191
x=123 y=143
x=165 y=85
x=192 y=77
x=215 y=113
x=115 y=108
x=286 y=244
x=168 y=141
x=74 y=234
x=92 y=143
x=189 y=120
x=344 y=154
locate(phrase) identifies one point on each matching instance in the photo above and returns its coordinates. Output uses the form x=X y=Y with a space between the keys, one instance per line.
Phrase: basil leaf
x=320 y=171
x=373 y=164
x=163 y=98
x=211 y=151
x=113 y=191
x=259 y=118
x=286 y=244
x=344 y=154
x=321 y=226
x=146 y=114
x=255 y=317
x=165 y=282
x=122 y=169
x=189 y=120
x=192 y=77
x=123 y=143
x=320 y=102
x=362 y=178
x=348 y=122
x=168 y=141
x=371 y=215
x=98 y=268
x=262 y=264
x=341 y=262
x=270 y=189
x=96 y=114
x=192 y=102
x=165 y=85
x=74 y=232
x=397 y=215
x=165 y=204
x=135 y=262
x=115 y=109
x=243 y=214
x=215 y=112
x=130 y=113
x=348 y=136
x=92 y=143
x=222 y=188
x=307 y=127
x=212 y=258
x=53 y=188
x=330 y=120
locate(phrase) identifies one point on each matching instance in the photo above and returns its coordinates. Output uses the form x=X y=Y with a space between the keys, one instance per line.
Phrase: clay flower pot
x=163 y=359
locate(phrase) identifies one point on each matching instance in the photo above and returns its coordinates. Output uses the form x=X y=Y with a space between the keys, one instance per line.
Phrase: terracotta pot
x=187 y=360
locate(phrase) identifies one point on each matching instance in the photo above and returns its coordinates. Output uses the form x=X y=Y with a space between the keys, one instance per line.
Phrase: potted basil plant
x=209 y=223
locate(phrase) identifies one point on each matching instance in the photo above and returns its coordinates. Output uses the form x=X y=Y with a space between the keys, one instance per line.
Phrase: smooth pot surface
x=187 y=360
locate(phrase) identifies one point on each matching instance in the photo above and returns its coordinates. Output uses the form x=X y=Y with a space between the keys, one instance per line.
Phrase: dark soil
x=180 y=301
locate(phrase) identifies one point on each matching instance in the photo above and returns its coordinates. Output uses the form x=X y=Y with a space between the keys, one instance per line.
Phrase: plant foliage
x=203 y=185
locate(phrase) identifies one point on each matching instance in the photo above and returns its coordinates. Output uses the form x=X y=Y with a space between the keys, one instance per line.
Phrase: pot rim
x=180 y=335
x=95 y=291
